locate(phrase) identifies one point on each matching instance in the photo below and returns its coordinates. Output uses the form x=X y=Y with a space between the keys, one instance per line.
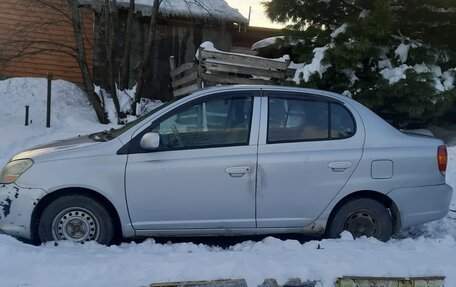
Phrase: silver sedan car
x=239 y=160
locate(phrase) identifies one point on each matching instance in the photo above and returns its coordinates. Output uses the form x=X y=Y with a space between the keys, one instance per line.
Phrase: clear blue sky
x=258 y=18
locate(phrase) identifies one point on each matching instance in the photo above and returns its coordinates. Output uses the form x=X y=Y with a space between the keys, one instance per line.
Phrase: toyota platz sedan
x=237 y=160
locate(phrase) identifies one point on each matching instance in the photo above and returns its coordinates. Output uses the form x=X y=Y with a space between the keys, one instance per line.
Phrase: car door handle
x=339 y=166
x=237 y=171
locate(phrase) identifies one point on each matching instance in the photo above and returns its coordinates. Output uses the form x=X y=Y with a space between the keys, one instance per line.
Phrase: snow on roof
x=215 y=9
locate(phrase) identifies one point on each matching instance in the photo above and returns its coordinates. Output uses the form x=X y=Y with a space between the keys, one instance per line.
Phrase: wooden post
x=172 y=63
x=49 y=93
x=172 y=67
x=27 y=115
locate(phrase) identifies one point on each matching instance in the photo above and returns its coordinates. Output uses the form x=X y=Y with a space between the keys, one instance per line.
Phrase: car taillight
x=442 y=158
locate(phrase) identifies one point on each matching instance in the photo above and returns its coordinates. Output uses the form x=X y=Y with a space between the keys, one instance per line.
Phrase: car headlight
x=14 y=169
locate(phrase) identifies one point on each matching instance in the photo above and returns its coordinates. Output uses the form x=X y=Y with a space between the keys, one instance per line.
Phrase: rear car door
x=203 y=174
x=309 y=147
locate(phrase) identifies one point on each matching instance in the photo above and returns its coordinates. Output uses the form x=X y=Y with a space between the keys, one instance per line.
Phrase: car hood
x=56 y=147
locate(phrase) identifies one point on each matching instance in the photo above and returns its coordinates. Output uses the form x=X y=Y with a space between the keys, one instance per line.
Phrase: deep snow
x=428 y=249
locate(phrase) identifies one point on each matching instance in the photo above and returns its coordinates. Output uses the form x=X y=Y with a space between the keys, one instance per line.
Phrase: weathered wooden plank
x=200 y=67
x=436 y=281
x=184 y=80
x=236 y=283
x=232 y=68
x=172 y=63
x=209 y=84
x=295 y=282
x=214 y=283
x=182 y=68
x=290 y=72
x=226 y=79
x=245 y=60
x=186 y=90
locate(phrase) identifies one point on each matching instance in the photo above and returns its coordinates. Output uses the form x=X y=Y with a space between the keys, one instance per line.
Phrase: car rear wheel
x=362 y=217
x=76 y=218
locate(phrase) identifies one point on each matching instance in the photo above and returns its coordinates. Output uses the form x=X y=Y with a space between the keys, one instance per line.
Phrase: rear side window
x=342 y=124
x=292 y=120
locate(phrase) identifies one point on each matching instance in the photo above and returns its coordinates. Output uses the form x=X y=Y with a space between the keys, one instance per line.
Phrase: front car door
x=309 y=147
x=203 y=174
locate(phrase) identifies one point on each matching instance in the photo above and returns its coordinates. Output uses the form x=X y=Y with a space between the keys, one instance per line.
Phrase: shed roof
x=209 y=9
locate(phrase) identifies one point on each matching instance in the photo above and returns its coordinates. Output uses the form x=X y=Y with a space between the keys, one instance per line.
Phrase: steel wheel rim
x=75 y=224
x=361 y=223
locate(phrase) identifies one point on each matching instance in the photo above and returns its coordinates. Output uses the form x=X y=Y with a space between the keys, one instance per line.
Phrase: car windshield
x=111 y=134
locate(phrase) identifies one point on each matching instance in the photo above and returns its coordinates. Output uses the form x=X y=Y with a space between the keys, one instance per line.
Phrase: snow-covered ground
x=70 y=114
x=429 y=249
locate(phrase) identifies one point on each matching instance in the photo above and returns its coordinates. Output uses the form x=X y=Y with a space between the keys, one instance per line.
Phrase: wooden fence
x=216 y=67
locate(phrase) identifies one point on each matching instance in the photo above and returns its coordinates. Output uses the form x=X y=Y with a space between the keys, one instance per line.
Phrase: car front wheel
x=362 y=217
x=76 y=218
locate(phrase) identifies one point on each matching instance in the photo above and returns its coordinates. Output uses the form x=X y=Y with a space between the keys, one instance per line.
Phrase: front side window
x=292 y=120
x=215 y=123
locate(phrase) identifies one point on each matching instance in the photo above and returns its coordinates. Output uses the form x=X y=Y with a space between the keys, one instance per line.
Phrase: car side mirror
x=150 y=141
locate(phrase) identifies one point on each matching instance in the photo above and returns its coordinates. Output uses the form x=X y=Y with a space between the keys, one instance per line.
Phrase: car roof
x=315 y=92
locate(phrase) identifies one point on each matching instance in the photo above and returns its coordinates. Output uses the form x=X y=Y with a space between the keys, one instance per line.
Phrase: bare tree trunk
x=82 y=61
x=111 y=15
x=125 y=66
x=147 y=52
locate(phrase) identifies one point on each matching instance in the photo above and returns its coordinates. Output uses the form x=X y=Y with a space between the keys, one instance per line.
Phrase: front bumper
x=422 y=204
x=16 y=208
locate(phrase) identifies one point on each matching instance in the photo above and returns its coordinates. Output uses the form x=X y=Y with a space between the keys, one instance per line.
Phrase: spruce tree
x=395 y=56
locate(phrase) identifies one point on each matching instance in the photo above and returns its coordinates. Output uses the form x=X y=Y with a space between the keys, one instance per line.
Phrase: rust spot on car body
x=6 y=205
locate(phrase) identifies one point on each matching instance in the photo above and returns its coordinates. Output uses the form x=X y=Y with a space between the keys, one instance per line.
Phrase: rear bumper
x=422 y=204
x=16 y=208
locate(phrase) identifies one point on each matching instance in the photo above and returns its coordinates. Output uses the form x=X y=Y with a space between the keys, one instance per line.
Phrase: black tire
x=362 y=217
x=76 y=218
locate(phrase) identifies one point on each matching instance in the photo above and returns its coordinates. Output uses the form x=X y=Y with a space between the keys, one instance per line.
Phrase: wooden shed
x=182 y=26
x=36 y=38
